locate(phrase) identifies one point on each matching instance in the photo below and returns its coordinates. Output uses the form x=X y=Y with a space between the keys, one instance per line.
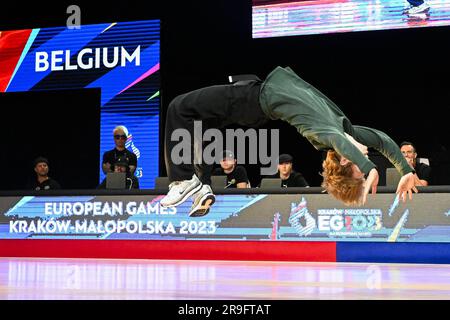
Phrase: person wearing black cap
x=236 y=175
x=42 y=181
x=289 y=178
x=121 y=165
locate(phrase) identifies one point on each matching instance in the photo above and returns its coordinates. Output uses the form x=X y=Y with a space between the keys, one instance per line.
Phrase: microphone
x=233 y=181
x=131 y=183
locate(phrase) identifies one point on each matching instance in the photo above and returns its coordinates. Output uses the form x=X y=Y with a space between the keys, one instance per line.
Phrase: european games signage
x=350 y=222
x=312 y=217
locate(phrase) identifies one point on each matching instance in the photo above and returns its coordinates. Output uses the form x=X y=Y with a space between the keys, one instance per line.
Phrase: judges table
x=295 y=224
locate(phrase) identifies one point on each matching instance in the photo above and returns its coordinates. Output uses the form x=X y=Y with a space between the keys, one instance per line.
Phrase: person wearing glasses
x=423 y=170
x=120 y=134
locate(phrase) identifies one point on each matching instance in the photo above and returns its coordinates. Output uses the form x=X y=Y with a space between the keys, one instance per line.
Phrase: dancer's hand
x=407 y=184
x=371 y=183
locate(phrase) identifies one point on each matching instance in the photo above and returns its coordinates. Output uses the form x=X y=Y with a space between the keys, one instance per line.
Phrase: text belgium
x=87 y=58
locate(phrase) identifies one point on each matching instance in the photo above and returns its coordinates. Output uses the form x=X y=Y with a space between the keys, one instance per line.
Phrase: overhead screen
x=121 y=59
x=278 y=18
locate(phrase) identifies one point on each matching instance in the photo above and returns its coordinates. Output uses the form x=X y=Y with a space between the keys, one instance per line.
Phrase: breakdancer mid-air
x=348 y=174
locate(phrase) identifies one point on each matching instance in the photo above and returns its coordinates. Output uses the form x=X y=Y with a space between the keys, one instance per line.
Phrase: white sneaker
x=422 y=8
x=418 y=16
x=203 y=200
x=179 y=191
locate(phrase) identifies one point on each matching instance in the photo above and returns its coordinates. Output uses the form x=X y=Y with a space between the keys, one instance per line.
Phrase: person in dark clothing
x=236 y=175
x=43 y=181
x=282 y=96
x=121 y=165
x=423 y=170
x=289 y=178
x=120 y=134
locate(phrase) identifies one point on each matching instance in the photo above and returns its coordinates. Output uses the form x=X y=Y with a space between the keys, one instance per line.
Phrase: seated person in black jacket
x=289 y=178
x=42 y=181
x=121 y=165
x=423 y=170
x=236 y=175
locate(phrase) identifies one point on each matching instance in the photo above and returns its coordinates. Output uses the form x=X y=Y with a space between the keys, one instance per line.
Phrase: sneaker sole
x=203 y=208
x=185 y=197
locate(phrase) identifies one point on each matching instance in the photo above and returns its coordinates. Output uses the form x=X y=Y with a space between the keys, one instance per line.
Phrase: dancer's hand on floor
x=407 y=184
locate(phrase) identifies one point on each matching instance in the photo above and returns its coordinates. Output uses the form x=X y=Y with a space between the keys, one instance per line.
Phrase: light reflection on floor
x=87 y=279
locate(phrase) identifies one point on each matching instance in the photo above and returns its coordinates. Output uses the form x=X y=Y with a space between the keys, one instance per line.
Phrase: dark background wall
x=30 y=133
x=396 y=80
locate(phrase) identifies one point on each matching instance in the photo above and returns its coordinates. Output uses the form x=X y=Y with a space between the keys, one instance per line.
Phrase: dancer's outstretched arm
x=384 y=144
